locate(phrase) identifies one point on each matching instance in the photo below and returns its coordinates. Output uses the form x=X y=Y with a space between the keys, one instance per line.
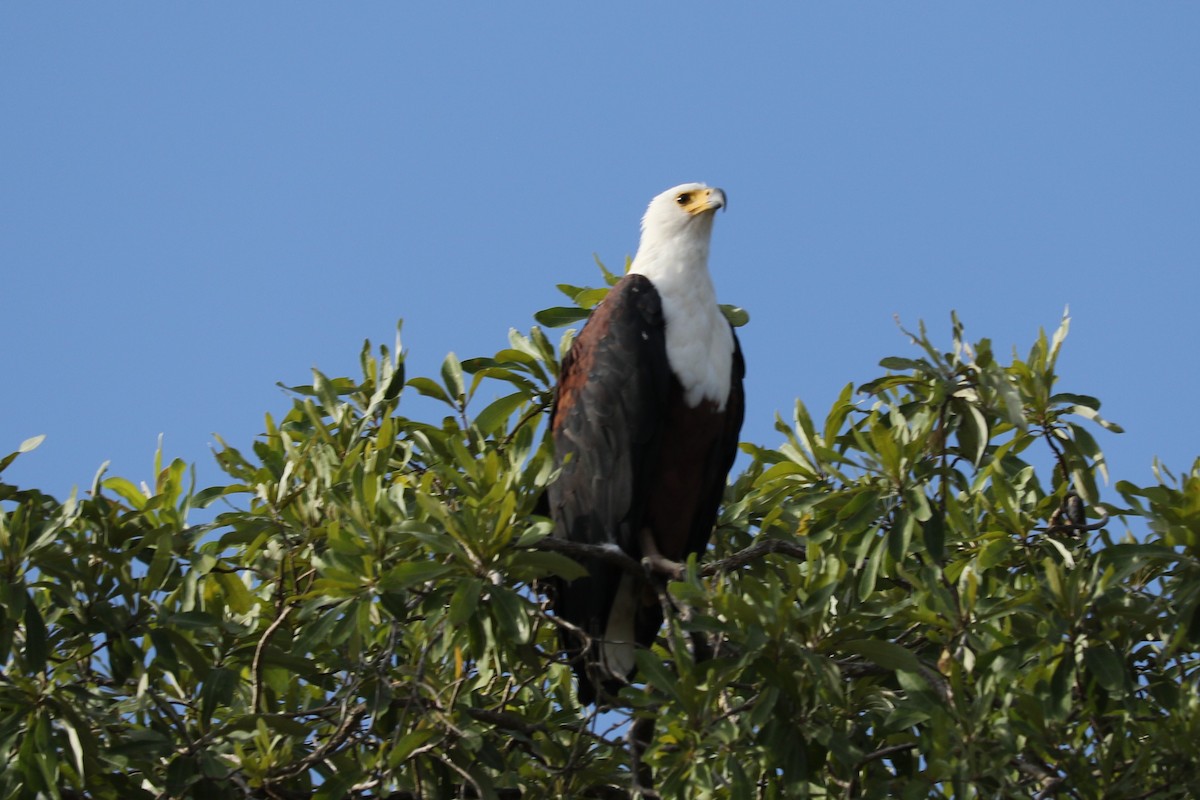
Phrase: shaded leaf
x=561 y=316
x=888 y=655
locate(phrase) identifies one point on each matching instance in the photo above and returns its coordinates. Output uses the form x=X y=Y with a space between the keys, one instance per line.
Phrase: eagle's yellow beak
x=701 y=200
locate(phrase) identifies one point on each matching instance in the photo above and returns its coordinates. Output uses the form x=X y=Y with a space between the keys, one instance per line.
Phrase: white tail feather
x=616 y=652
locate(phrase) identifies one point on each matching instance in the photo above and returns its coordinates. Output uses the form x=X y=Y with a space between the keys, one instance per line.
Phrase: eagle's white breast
x=673 y=254
x=699 y=339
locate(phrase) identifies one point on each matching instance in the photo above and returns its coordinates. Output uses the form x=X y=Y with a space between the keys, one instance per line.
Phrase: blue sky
x=198 y=201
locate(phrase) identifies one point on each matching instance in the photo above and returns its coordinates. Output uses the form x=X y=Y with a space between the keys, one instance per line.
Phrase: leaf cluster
x=922 y=595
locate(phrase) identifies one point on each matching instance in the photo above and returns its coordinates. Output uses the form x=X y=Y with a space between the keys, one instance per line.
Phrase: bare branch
x=886 y=752
x=256 y=663
x=506 y=720
x=1049 y=780
x=754 y=552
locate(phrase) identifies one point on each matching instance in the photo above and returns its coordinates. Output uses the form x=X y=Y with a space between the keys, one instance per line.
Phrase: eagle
x=645 y=427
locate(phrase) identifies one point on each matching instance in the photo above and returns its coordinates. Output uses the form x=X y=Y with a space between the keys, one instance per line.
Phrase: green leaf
x=465 y=601
x=1108 y=668
x=870 y=573
x=610 y=278
x=412 y=573
x=1053 y=578
x=933 y=531
x=492 y=418
x=408 y=743
x=510 y=612
x=918 y=504
x=738 y=317
x=590 y=298
x=654 y=673
x=973 y=434
x=339 y=784
x=216 y=692
x=1088 y=413
x=126 y=490
x=79 y=738
x=236 y=594
x=860 y=510
x=785 y=469
x=538 y=563
x=888 y=655
x=35 y=639
x=570 y=290
x=1059 y=700
x=193 y=620
x=276 y=722
x=162 y=561
x=560 y=316
x=900 y=536
x=452 y=375
x=430 y=388
x=897 y=364
x=1069 y=398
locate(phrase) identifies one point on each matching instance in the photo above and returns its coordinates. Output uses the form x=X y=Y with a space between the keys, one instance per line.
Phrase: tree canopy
x=922 y=594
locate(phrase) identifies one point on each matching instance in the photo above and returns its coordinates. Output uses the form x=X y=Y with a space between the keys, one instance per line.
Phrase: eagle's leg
x=655 y=562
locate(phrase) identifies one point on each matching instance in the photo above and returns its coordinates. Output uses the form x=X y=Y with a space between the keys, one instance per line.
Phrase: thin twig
x=256 y=662
x=332 y=743
x=885 y=752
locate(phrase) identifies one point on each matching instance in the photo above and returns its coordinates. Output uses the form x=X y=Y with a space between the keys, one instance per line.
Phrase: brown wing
x=606 y=426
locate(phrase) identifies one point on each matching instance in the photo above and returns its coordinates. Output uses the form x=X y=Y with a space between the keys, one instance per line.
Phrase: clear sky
x=200 y=200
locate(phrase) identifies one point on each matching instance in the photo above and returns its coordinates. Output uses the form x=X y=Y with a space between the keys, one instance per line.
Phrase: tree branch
x=752 y=553
x=610 y=555
x=332 y=743
x=506 y=720
x=672 y=569
x=256 y=662
x=885 y=752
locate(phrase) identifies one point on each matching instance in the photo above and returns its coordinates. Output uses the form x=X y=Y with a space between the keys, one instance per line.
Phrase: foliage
x=947 y=612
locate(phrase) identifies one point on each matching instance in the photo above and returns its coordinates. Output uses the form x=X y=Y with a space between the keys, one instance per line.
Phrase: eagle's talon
x=661 y=565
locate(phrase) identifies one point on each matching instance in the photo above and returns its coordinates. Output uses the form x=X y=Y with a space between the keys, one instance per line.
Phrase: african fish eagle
x=645 y=428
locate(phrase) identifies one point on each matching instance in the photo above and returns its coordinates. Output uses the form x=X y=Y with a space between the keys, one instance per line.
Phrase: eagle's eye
x=684 y=199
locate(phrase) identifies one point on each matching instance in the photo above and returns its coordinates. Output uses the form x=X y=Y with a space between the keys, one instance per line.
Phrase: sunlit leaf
x=738 y=317
x=31 y=443
x=498 y=411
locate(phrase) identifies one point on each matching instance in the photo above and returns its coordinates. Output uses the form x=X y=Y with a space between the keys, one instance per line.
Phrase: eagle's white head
x=673 y=254
x=678 y=226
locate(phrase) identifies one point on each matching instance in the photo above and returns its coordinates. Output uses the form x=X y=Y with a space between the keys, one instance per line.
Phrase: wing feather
x=606 y=426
